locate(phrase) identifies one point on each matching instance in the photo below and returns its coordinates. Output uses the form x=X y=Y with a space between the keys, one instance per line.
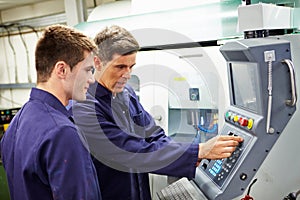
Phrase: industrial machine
x=6 y=116
x=192 y=105
x=262 y=101
x=184 y=87
x=189 y=86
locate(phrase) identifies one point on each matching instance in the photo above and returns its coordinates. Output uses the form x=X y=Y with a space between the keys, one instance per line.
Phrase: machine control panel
x=6 y=116
x=262 y=101
x=219 y=170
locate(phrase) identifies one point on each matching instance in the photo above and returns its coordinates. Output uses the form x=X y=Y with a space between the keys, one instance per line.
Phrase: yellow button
x=250 y=123
x=236 y=118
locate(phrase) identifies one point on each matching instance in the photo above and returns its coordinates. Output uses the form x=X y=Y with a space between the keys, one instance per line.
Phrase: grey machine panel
x=262 y=101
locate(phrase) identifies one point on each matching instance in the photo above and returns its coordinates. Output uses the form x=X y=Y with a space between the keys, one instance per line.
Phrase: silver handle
x=293 y=101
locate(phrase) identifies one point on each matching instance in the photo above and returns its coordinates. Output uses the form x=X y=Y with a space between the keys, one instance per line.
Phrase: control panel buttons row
x=239 y=119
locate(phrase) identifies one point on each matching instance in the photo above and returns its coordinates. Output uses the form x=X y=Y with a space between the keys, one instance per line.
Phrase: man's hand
x=218 y=147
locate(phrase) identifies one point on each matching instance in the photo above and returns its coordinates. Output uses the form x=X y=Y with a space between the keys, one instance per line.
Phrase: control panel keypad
x=218 y=170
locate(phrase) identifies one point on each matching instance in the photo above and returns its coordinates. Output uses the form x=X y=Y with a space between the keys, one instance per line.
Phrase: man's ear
x=98 y=63
x=61 y=69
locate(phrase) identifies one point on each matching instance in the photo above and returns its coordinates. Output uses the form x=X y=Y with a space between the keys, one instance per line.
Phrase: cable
x=254 y=181
x=247 y=196
x=13 y=50
x=14 y=103
x=27 y=54
x=14 y=54
x=206 y=130
x=32 y=28
x=292 y=195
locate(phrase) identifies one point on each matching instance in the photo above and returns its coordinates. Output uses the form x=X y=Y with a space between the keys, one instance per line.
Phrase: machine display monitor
x=245 y=85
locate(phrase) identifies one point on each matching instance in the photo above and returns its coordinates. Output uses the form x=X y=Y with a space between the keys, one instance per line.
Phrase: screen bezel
x=232 y=86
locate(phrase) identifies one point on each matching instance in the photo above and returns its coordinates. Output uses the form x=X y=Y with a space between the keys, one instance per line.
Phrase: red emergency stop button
x=243 y=121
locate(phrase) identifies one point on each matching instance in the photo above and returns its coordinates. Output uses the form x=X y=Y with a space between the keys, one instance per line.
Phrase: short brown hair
x=60 y=43
x=115 y=40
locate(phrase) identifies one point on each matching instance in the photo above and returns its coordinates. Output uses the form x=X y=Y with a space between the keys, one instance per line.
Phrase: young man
x=44 y=155
x=123 y=137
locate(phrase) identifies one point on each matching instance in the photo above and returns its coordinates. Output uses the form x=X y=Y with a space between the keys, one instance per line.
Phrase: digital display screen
x=245 y=85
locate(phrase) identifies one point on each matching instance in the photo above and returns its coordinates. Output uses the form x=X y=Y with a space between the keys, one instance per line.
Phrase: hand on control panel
x=219 y=147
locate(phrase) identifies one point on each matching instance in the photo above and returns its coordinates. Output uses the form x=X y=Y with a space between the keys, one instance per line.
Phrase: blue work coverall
x=127 y=145
x=44 y=156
